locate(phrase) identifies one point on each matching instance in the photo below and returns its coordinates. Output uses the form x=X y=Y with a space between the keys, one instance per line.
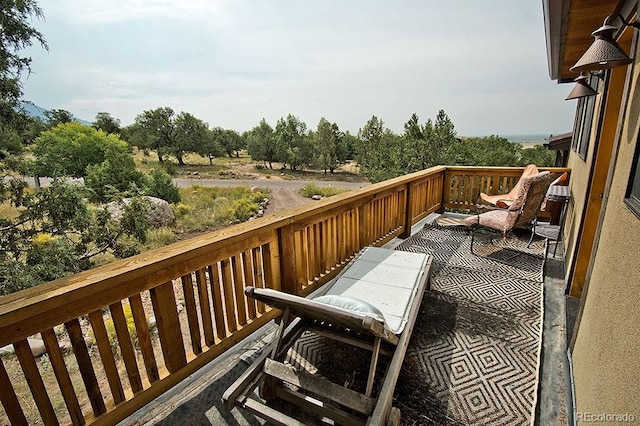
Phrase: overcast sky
x=231 y=63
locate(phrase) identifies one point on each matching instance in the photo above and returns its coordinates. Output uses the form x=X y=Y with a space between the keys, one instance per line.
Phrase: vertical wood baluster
x=313 y=250
x=342 y=237
x=472 y=189
x=326 y=244
x=106 y=355
x=303 y=249
x=236 y=268
x=229 y=304
x=297 y=238
x=205 y=306
x=168 y=323
x=375 y=218
x=322 y=247
x=409 y=210
x=192 y=313
x=126 y=346
x=362 y=224
x=34 y=380
x=454 y=198
x=384 y=216
x=337 y=232
x=379 y=218
x=390 y=212
x=85 y=366
x=393 y=207
x=355 y=229
x=425 y=200
x=9 y=399
x=256 y=257
x=62 y=376
x=465 y=189
x=216 y=294
x=350 y=234
x=373 y=208
x=249 y=280
x=144 y=337
x=333 y=243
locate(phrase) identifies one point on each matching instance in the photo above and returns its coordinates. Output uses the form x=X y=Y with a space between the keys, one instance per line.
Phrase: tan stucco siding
x=606 y=354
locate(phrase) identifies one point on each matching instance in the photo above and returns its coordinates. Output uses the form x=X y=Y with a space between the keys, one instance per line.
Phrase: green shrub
x=181 y=210
x=159 y=184
x=311 y=189
x=159 y=237
x=170 y=168
x=117 y=174
x=244 y=209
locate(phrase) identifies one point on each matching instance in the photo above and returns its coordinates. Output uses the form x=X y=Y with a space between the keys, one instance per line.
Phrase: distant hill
x=38 y=112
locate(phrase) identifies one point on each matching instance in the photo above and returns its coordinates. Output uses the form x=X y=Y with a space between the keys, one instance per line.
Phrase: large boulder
x=159 y=212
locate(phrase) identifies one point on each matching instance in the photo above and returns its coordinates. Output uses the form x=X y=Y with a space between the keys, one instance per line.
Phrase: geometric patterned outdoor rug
x=475 y=351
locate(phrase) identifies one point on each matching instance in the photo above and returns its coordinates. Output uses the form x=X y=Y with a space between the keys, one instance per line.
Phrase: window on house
x=584 y=121
x=632 y=199
x=577 y=124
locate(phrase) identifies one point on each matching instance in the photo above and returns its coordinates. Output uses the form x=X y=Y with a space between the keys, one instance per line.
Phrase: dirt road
x=266 y=183
x=283 y=194
x=283 y=199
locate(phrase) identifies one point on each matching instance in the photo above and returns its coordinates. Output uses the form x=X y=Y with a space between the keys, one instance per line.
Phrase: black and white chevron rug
x=475 y=352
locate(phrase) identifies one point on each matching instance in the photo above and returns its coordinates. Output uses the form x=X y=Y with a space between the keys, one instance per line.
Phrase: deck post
x=288 y=266
x=408 y=212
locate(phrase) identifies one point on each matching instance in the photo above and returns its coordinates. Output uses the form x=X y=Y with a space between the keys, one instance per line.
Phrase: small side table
x=559 y=194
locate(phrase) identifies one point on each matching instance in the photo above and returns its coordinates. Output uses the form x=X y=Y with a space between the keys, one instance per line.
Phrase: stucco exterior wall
x=606 y=355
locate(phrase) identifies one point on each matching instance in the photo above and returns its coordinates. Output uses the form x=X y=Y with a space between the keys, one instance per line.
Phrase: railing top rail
x=453 y=169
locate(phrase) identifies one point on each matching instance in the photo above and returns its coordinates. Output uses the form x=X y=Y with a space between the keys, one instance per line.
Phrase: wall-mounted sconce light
x=581 y=89
x=604 y=52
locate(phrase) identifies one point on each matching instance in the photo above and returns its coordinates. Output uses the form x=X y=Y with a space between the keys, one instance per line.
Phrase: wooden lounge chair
x=523 y=211
x=504 y=200
x=372 y=304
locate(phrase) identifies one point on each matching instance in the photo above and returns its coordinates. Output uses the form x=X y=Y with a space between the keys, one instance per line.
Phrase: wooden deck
x=198 y=399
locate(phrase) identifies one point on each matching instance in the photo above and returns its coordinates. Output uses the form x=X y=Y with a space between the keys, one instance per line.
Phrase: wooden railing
x=463 y=185
x=102 y=357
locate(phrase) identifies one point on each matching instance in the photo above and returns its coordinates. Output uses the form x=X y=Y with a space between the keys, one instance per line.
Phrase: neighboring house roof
x=568 y=31
x=559 y=142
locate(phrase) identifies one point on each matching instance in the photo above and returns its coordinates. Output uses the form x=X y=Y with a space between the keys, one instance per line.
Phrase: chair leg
x=533 y=232
x=473 y=237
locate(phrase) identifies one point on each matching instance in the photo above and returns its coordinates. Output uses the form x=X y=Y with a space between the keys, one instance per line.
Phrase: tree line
x=378 y=151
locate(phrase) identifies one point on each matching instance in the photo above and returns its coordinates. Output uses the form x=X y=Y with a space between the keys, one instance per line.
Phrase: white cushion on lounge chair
x=351 y=304
x=386 y=279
